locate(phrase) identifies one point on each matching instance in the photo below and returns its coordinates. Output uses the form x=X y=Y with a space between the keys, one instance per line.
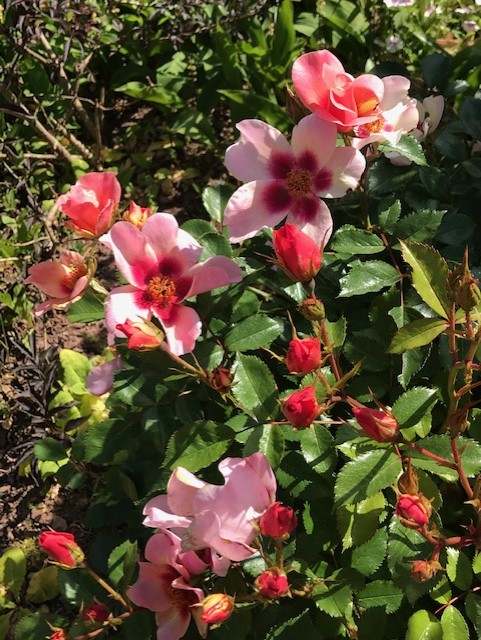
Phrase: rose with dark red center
x=288 y=180
x=161 y=264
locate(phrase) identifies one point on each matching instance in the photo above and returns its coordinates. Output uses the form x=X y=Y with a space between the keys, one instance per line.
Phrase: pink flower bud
x=424 y=570
x=297 y=253
x=137 y=215
x=95 y=612
x=414 y=511
x=278 y=521
x=378 y=425
x=303 y=356
x=220 y=379
x=272 y=583
x=141 y=336
x=301 y=407
x=59 y=635
x=216 y=608
x=91 y=204
x=61 y=547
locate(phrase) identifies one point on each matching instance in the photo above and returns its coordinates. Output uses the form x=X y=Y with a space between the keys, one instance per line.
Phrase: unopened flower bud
x=312 y=309
x=61 y=547
x=414 y=511
x=95 y=613
x=303 y=356
x=462 y=287
x=137 y=215
x=378 y=425
x=272 y=583
x=297 y=253
x=301 y=407
x=216 y=608
x=408 y=481
x=59 y=635
x=142 y=336
x=277 y=521
x=424 y=570
x=220 y=379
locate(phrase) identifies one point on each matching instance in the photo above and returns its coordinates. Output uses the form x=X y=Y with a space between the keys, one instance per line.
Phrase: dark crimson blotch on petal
x=170 y=267
x=322 y=180
x=276 y=197
x=280 y=164
x=306 y=208
x=307 y=161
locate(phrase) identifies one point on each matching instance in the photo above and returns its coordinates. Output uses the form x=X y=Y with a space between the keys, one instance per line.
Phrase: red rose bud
x=277 y=521
x=378 y=425
x=95 y=612
x=220 y=379
x=272 y=583
x=59 y=635
x=216 y=608
x=424 y=570
x=137 y=215
x=297 y=253
x=303 y=356
x=61 y=547
x=301 y=407
x=414 y=511
x=141 y=336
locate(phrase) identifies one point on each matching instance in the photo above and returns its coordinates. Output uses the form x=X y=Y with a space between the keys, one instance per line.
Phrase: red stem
x=459 y=468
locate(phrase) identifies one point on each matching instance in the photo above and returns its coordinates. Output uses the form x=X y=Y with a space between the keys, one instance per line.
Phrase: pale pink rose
x=64 y=280
x=163 y=586
x=394 y=4
x=430 y=112
x=288 y=179
x=222 y=519
x=101 y=379
x=91 y=204
x=462 y=10
x=393 y=44
x=432 y=9
x=470 y=25
x=397 y=116
x=161 y=264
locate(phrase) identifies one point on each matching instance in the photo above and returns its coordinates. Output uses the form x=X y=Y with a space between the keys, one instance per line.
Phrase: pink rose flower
x=163 y=586
x=161 y=264
x=221 y=519
x=64 y=280
x=288 y=179
x=91 y=204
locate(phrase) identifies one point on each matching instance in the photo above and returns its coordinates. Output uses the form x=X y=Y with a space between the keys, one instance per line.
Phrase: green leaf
x=75 y=368
x=122 y=564
x=389 y=216
x=194 y=124
x=254 y=387
x=336 y=331
x=89 y=308
x=333 y=598
x=419 y=226
x=458 y=568
x=407 y=147
x=414 y=405
x=469 y=449
x=368 y=557
x=367 y=277
x=473 y=610
x=43 y=585
x=155 y=93
x=284 y=35
x=291 y=629
x=454 y=625
x=5 y=624
x=13 y=568
x=435 y=69
x=470 y=114
x=269 y=440
x=215 y=199
x=357 y=523
x=196 y=446
x=317 y=446
x=366 y=475
x=416 y=334
x=380 y=593
x=477 y=563
x=423 y=625
x=253 y=333
x=33 y=627
x=441 y=592
x=429 y=273
x=384 y=178
x=348 y=239
x=49 y=449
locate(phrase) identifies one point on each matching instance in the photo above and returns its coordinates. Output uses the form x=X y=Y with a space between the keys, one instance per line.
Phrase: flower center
x=298 y=182
x=365 y=130
x=160 y=290
x=75 y=271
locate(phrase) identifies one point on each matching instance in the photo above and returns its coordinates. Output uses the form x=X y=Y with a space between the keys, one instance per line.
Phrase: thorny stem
x=97 y=632
x=459 y=468
x=279 y=555
x=114 y=594
x=429 y=454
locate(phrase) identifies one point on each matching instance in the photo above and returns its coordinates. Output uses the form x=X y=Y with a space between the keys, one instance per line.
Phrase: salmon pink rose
x=161 y=264
x=64 y=280
x=91 y=204
x=163 y=586
x=220 y=518
x=288 y=179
